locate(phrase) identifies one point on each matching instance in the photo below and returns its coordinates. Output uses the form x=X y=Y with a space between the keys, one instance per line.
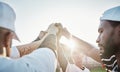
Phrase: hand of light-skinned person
x=55 y=28
x=66 y=33
x=60 y=27
x=52 y=29
x=48 y=39
x=40 y=36
x=51 y=40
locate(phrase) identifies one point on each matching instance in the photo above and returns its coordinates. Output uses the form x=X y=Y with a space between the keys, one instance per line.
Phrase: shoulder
x=7 y=64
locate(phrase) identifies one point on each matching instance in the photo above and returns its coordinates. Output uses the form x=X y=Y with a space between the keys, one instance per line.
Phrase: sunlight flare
x=69 y=43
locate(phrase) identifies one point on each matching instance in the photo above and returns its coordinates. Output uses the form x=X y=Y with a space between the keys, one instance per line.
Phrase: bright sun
x=69 y=43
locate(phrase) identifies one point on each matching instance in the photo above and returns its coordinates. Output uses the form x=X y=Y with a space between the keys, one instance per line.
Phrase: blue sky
x=81 y=17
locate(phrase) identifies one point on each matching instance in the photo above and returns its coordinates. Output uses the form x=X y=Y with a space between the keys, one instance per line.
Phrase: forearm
x=87 y=49
x=62 y=60
x=28 y=48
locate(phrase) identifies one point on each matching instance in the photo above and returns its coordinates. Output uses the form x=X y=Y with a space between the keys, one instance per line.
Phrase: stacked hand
x=55 y=28
x=66 y=33
x=41 y=35
x=50 y=36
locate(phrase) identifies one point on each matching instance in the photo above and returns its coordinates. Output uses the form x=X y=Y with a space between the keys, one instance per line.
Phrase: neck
x=2 y=51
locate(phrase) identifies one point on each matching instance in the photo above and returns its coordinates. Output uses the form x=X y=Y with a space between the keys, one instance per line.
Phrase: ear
x=8 y=42
x=8 y=39
x=118 y=28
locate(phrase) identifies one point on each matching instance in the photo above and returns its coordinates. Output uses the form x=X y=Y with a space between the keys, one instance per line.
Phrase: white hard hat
x=7 y=17
x=112 y=14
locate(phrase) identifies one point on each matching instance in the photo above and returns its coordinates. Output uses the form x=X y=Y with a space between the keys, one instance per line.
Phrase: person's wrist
x=69 y=36
x=36 y=39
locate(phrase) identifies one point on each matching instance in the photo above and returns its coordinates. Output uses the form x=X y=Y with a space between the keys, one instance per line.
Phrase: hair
x=114 y=23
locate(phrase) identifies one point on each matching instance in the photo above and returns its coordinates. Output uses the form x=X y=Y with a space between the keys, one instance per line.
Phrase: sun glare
x=69 y=43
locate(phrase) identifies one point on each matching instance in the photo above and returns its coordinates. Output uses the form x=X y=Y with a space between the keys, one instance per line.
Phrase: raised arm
x=28 y=48
x=84 y=46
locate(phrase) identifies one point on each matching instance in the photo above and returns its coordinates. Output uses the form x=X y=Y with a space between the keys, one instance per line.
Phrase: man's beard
x=108 y=56
x=109 y=48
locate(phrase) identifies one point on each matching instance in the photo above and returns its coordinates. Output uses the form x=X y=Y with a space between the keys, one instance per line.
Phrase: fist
x=66 y=33
x=54 y=28
x=42 y=34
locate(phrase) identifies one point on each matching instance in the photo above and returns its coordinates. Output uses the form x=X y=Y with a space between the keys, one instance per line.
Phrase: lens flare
x=69 y=43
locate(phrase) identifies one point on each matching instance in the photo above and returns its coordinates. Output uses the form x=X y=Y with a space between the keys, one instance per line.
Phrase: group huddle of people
x=47 y=54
